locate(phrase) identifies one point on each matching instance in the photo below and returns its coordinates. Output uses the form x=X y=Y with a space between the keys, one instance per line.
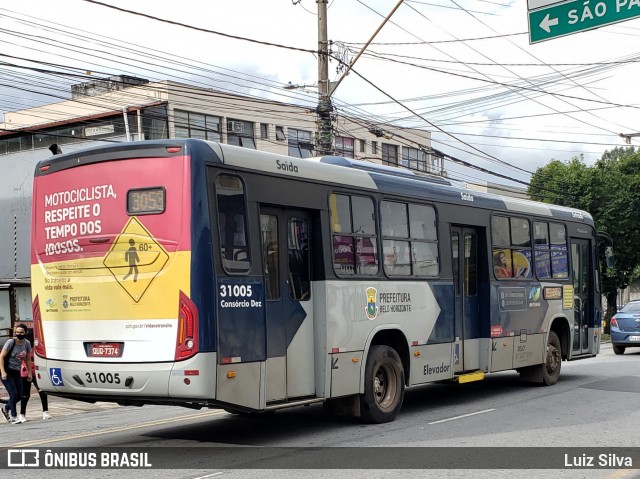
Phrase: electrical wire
x=273 y=45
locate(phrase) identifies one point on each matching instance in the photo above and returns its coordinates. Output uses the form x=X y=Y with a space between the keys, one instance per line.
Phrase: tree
x=610 y=191
x=618 y=175
x=565 y=184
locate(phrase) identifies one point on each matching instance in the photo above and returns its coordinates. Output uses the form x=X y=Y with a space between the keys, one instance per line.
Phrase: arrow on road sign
x=547 y=23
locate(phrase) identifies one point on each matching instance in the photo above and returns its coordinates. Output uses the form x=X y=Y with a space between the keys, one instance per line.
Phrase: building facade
x=123 y=108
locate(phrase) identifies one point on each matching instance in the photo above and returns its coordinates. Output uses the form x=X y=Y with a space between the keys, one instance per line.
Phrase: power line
x=529 y=53
x=350 y=107
x=205 y=30
x=264 y=43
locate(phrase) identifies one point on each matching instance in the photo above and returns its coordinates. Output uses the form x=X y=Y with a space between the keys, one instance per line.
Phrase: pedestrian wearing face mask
x=15 y=351
x=26 y=388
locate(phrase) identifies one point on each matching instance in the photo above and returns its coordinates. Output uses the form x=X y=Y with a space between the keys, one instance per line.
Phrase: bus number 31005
x=105 y=378
x=236 y=290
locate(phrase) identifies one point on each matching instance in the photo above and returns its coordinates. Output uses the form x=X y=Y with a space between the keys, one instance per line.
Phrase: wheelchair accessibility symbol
x=56 y=376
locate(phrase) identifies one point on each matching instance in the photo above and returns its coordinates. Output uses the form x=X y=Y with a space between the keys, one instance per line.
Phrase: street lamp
x=296 y=86
x=627 y=137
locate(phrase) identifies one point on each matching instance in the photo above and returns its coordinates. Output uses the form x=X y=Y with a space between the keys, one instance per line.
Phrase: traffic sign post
x=560 y=19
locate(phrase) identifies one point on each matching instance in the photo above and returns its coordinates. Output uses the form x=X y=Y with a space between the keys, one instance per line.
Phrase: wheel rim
x=553 y=359
x=384 y=386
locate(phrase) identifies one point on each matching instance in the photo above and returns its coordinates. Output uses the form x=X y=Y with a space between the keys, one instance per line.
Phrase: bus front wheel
x=383 y=387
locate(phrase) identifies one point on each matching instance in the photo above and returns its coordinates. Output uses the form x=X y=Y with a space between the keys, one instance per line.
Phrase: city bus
x=199 y=274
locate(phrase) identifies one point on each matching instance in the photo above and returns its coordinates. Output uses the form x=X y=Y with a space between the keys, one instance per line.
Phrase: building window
x=389 y=154
x=300 y=144
x=196 y=125
x=154 y=126
x=344 y=146
x=280 y=136
x=18 y=143
x=361 y=146
x=414 y=159
x=511 y=247
x=374 y=147
x=264 y=131
x=63 y=136
x=409 y=239
x=240 y=133
x=353 y=227
x=154 y=123
x=435 y=164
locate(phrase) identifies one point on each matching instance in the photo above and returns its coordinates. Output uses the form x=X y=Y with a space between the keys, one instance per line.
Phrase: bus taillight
x=38 y=336
x=187 y=339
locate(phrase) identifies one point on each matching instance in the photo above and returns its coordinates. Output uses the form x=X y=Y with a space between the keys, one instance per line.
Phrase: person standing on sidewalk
x=26 y=388
x=15 y=351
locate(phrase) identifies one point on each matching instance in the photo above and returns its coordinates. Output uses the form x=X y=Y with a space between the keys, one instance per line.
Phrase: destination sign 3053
x=564 y=18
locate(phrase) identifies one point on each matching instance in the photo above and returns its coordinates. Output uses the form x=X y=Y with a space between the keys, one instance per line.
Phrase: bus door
x=583 y=306
x=465 y=251
x=286 y=248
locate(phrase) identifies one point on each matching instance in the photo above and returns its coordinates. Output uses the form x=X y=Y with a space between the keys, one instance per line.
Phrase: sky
x=462 y=69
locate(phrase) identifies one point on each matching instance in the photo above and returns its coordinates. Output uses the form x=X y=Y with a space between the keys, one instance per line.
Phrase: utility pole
x=325 y=88
x=325 y=107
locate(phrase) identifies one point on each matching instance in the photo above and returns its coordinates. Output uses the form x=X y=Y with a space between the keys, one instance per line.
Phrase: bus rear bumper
x=192 y=378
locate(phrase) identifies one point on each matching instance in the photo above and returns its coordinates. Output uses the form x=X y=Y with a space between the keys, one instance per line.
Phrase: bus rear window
x=234 y=245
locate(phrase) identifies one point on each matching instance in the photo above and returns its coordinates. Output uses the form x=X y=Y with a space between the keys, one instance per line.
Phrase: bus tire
x=548 y=372
x=383 y=386
x=552 y=361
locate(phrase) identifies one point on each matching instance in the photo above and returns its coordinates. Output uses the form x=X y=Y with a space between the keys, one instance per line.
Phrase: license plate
x=634 y=338
x=105 y=350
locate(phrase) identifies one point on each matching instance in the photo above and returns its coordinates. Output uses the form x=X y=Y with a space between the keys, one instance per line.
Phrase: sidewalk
x=58 y=406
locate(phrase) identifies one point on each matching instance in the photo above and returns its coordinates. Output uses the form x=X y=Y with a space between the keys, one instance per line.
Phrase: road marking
x=116 y=429
x=460 y=417
x=209 y=475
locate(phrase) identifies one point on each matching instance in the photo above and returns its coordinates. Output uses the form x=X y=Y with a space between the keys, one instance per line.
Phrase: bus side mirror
x=608 y=257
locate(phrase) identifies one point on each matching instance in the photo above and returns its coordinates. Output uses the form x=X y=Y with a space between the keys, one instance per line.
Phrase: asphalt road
x=594 y=407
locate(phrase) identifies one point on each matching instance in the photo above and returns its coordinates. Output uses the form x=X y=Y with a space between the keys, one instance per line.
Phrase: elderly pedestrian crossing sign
x=135 y=258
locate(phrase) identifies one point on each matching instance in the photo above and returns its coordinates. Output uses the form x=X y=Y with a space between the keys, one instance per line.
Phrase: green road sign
x=565 y=18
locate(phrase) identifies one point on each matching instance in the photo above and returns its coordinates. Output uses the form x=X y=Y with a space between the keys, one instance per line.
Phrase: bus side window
x=512 y=252
x=395 y=247
x=410 y=239
x=234 y=246
x=269 y=238
x=551 y=250
x=353 y=227
x=272 y=271
x=559 y=250
x=299 y=274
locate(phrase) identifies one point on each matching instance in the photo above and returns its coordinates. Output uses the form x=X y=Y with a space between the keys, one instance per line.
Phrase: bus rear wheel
x=548 y=372
x=383 y=386
x=552 y=360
